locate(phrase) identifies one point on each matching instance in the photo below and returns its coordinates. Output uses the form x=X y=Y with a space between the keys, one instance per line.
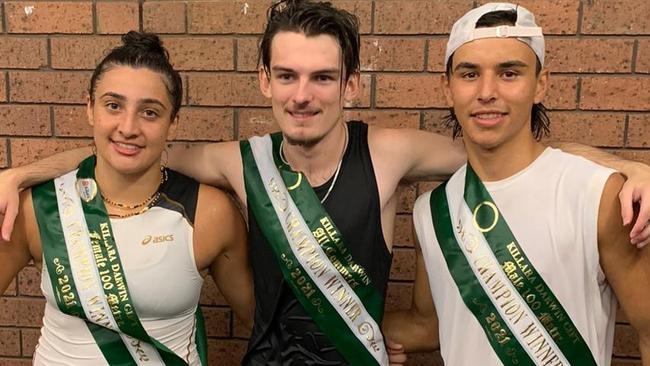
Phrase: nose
x=128 y=126
x=303 y=94
x=487 y=92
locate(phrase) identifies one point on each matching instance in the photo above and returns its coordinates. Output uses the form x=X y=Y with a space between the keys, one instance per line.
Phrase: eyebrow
x=140 y=101
x=334 y=71
x=502 y=65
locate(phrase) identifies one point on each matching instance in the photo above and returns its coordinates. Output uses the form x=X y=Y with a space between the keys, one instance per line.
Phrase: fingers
x=626 y=196
x=642 y=238
x=642 y=218
x=8 y=222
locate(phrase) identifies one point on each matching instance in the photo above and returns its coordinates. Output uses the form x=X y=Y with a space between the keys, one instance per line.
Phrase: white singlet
x=157 y=254
x=552 y=209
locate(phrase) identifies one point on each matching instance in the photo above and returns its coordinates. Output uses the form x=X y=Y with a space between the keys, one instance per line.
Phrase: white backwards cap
x=525 y=29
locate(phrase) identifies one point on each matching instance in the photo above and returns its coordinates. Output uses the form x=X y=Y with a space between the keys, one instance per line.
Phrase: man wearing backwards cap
x=521 y=248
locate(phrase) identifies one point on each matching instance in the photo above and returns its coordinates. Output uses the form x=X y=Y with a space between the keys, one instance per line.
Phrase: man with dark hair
x=522 y=248
x=320 y=194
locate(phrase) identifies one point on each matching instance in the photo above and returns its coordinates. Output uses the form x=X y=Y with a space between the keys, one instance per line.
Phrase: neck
x=493 y=164
x=318 y=162
x=128 y=189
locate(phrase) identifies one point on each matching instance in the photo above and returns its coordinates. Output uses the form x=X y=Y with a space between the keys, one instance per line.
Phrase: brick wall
x=598 y=51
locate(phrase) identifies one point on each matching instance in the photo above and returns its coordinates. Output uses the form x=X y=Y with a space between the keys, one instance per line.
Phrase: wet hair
x=142 y=50
x=539 y=114
x=313 y=18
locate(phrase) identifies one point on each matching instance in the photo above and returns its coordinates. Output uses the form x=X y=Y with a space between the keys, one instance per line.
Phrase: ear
x=173 y=128
x=446 y=89
x=542 y=86
x=89 y=111
x=265 y=83
x=352 y=87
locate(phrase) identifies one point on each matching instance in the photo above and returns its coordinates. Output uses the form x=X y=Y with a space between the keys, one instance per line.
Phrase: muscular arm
x=635 y=190
x=415 y=329
x=221 y=245
x=12 y=180
x=627 y=270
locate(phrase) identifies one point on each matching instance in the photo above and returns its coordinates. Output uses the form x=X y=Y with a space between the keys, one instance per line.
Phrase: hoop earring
x=94 y=149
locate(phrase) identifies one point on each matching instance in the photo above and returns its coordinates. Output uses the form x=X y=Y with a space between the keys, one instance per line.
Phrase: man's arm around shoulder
x=626 y=268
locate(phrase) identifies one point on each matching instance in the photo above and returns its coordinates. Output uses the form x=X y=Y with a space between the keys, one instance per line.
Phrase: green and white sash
x=334 y=290
x=87 y=275
x=522 y=319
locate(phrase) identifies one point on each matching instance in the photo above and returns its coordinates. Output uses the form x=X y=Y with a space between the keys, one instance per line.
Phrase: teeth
x=488 y=115
x=126 y=146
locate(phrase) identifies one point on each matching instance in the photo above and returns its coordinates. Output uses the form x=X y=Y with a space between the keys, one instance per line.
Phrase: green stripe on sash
x=111 y=274
x=503 y=342
x=521 y=273
x=306 y=291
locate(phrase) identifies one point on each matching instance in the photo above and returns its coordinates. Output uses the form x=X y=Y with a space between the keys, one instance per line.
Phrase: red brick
x=225 y=90
x=562 y=92
x=392 y=54
x=256 y=122
x=71 y=121
x=589 y=55
x=407 y=194
x=363 y=99
x=221 y=17
x=24 y=120
x=22 y=53
x=554 y=16
x=48 y=87
x=12 y=289
x=80 y=52
x=9 y=342
x=217 y=321
x=622 y=93
x=433 y=122
x=29 y=281
x=406 y=17
x=49 y=17
x=29 y=338
x=21 y=312
x=15 y=362
x=626 y=341
x=616 y=17
x=636 y=155
x=403 y=267
x=210 y=294
x=247 y=54
x=227 y=351
x=361 y=8
x=638 y=130
x=4 y=164
x=164 y=17
x=424 y=187
x=385 y=118
x=201 y=53
x=597 y=129
x=643 y=57
x=409 y=91
x=436 y=57
x=25 y=151
x=399 y=296
x=3 y=86
x=205 y=124
x=117 y=17
x=403 y=235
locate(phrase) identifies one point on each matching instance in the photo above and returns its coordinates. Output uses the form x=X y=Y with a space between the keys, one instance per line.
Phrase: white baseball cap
x=525 y=29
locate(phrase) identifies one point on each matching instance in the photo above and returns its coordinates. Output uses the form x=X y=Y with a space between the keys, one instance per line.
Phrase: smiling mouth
x=302 y=114
x=488 y=116
x=125 y=148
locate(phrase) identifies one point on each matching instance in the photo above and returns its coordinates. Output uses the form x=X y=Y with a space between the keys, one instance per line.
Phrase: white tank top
x=158 y=258
x=552 y=209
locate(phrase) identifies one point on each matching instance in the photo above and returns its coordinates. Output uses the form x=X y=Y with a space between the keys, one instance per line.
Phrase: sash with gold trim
x=522 y=319
x=87 y=275
x=314 y=260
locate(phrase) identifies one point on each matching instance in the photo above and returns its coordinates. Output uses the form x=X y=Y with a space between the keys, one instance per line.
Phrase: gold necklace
x=338 y=166
x=148 y=202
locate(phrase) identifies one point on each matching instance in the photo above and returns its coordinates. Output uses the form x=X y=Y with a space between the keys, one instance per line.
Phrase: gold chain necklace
x=338 y=166
x=148 y=202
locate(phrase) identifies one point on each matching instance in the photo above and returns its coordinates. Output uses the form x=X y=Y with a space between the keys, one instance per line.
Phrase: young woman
x=121 y=241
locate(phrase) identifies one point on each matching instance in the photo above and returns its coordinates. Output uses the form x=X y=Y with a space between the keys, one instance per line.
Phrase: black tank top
x=283 y=333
